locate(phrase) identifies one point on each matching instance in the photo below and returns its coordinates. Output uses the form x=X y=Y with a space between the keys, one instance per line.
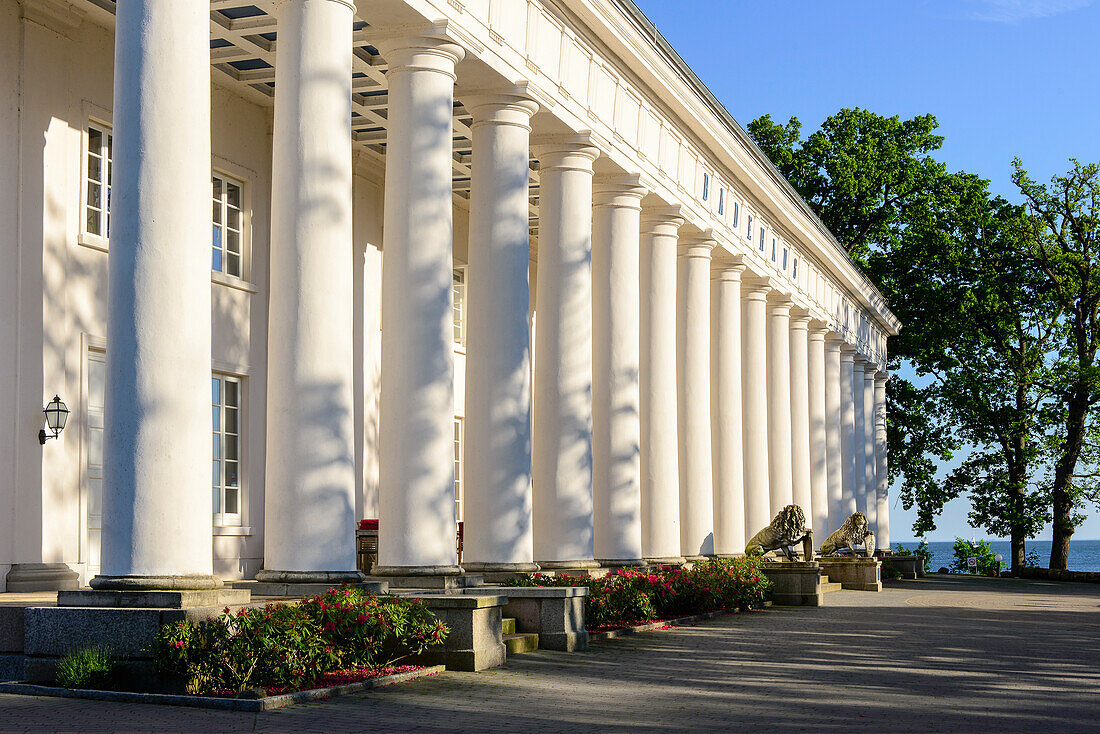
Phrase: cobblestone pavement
x=936 y=655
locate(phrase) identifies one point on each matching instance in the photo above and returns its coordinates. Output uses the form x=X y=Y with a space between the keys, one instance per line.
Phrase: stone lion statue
x=853 y=532
x=786 y=529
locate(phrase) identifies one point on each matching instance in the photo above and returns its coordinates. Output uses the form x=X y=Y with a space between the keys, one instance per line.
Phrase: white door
x=93 y=464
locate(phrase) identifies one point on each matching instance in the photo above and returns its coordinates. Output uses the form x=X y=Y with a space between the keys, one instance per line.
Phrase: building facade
x=294 y=263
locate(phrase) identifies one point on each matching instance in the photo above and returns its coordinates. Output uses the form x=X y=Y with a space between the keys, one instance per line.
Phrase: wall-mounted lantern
x=56 y=416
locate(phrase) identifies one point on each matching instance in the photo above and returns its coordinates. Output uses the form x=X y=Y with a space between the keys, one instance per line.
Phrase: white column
x=800 y=412
x=882 y=478
x=859 y=436
x=834 y=431
x=657 y=374
x=561 y=459
x=779 y=401
x=416 y=478
x=725 y=375
x=847 y=432
x=156 y=491
x=693 y=395
x=819 y=450
x=309 y=518
x=497 y=505
x=869 y=461
x=754 y=403
x=616 y=428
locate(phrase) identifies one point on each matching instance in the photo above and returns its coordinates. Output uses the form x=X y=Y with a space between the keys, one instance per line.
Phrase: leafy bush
x=636 y=596
x=289 y=646
x=988 y=565
x=88 y=667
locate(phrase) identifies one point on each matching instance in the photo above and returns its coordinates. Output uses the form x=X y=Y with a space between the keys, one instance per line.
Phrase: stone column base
x=620 y=562
x=41 y=577
x=857 y=573
x=500 y=567
x=191 y=582
x=795 y=583
x=666 y=561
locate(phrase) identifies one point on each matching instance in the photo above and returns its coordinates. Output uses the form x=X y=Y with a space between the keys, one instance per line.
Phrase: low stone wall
x=795 y=583
x=475 y=641
x=1057 y=574
x=857 y=573
x=555 y=613
x=910 y=567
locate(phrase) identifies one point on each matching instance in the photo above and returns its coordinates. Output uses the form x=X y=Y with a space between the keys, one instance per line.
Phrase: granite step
x=508 y=626
x=827 y=586
x=520 y=643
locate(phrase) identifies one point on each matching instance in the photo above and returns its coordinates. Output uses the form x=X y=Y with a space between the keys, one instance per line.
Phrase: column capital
x=780 y=302
x=699 y=245
x=428 y=52
x=848 y=353
x=800 y=318
x=882 y=376
x=726 y=267
x=505 y=106
x=618 y=190
x=757 y=287
x=662 y=219
x=818 y=328
x=566 y=152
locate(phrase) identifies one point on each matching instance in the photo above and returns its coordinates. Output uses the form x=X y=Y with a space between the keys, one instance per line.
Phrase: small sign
x=972 y=562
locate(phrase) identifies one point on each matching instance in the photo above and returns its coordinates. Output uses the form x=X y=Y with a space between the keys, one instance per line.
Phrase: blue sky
x=1003 y=77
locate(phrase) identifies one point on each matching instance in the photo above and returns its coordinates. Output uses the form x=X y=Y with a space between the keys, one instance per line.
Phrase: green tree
x=1063 y=241
x=977 y=324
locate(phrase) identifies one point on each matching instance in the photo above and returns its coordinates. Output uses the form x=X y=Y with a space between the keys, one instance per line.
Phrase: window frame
x=219 y=516
x=86 y=237
x=226 y=181
x=459 y=465
x=736 y=214
x=459 y=293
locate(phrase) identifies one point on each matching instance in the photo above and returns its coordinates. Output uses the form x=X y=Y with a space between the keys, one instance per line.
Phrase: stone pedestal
x=476 y=639
x=556 y=614
x=294 y=590
x=41 y=577
x=795 y=583
x=910 y=567
x=440 y=581
x=857 y=573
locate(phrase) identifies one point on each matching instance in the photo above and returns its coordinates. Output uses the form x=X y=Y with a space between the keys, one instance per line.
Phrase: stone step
x=517 y=644
x=508 y=626
x=827 y=586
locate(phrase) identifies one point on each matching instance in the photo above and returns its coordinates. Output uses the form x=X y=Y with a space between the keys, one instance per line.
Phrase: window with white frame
x=97 y=184
x=748 y=229
x=786 y=257
x=706 y=185
x=794 y=269
x=736 y=214
x=721 y=202
x=227 y=226
x=458 y=469
x=762 y=239
x=775 y=249
x=459 y=288
x=226 y=409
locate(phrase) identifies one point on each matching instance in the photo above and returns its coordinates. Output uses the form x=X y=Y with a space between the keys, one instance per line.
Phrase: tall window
x=748 y=229
x=458 y=470
x=459 y=287
x=736 y=214
x=227 y=226
x=774 y=252
x=98 y=183
x=762 y=240
x=226 y=401
x=706 y=185
x=794 y=269
x=721 y=201
x=786 y=255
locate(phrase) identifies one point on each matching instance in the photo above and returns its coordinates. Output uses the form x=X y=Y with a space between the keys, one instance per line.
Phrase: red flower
x=330 y=626
x=361 y=618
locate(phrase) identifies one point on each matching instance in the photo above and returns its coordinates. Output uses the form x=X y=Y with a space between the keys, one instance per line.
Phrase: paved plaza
x=936 y=655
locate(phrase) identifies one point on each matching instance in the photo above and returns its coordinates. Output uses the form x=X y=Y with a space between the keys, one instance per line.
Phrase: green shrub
x=988 y=565
x=921 y=550
x=289 y=646
x=88 y=667
x=636 y=596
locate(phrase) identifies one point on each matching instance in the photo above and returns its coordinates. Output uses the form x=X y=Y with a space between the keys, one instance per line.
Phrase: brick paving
x=935 y=655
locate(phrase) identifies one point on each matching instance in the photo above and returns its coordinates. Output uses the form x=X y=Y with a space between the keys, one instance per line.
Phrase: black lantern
x=56 y=415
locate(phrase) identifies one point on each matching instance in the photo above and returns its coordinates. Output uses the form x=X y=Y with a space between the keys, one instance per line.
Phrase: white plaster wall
x=9 y=253
x=367 y=322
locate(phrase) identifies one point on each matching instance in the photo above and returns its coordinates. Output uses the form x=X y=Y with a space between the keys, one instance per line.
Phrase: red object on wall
x=368 y=525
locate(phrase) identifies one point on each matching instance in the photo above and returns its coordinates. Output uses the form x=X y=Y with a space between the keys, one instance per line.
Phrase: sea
x=1084 y=555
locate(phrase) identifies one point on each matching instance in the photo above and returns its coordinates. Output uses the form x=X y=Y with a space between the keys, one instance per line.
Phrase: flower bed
x=635 y=596
x=294 y=646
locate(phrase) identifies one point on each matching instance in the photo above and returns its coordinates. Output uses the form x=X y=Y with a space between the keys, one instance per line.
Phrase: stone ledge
x=225 y=704
x=294 y=590
x=182 y=599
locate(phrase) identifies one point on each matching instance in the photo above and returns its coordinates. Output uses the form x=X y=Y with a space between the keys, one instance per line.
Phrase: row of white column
x=673 y=413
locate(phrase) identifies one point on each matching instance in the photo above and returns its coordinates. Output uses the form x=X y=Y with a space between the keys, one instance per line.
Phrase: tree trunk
x=1017 y=480
x=1062 y=491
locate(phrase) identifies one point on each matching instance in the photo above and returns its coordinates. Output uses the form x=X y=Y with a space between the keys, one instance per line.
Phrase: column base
x=620 y=562
x=334 y=578
x=666 y=561
x=153 y=598
x=500 y=567
x=417 y=570
x=41 y=577
x=192 y=582
x=577 y=565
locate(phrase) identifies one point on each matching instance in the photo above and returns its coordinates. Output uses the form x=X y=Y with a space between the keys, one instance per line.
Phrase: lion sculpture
x=853 y=532
x=786 y=529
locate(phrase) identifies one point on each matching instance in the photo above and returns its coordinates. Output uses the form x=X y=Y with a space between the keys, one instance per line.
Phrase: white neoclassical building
x=295 y=263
